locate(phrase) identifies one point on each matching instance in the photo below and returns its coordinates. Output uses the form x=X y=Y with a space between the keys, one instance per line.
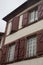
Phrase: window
x=20 y=21
x=33 y=16
x=9 y=28
x=11 y=51
x=0 y=43
x=31 y=47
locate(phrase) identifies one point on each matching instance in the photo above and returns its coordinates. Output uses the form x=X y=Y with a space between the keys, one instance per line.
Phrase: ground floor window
x=31 y=47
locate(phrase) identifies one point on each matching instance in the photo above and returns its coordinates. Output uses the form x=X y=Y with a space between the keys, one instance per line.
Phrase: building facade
x=23 y=40
x=1 y=42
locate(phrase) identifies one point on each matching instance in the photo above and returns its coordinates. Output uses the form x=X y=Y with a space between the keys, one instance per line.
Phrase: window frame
x=7 y=60
x=30 y=11
x=0 y=43
x=29 y=37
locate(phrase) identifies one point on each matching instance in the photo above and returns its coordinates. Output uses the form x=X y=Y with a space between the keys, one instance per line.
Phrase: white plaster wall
x=25 y=31
x=38 y=61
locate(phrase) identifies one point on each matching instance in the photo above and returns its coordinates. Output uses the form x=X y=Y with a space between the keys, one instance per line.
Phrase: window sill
x=24 y=59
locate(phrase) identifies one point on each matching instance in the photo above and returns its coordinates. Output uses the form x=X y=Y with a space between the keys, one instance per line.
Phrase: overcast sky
x=7 y=6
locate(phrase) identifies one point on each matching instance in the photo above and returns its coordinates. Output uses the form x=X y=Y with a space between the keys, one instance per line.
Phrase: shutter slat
x=15 y=23
x=40 y=42
x=40 y=10
x=25 y=19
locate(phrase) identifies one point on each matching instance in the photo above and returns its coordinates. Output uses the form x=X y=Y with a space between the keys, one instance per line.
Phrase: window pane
x=12 y=49
x=0 y=43
x=31 y=17
x=36 y=15
x=27 y=51
x=34 y=46
x=31 y=47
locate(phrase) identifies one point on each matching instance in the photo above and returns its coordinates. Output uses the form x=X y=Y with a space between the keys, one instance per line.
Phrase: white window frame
x=10 y=56
x=31 y=47
x=0 y=43
x=33 y=15
x=9 y=27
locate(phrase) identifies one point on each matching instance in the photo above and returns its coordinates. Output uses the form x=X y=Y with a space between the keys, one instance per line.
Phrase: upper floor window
x=31 y=47
x=33 y=16
x=20 y=21
x=9 y=28
x=11 y=51
x=0 y=43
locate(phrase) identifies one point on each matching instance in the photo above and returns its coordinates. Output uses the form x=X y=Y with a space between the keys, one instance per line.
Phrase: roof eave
x=19 y=9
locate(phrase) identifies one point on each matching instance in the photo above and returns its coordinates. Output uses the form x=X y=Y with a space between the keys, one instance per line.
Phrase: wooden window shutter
x=15 y=23
x=40 y=42
x=4 y=53
x=40 y=10
x=25 y=19
x=16 y=50
x=22 y=49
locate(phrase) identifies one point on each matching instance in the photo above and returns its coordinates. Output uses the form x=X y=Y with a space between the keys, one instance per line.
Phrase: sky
x=7 y=6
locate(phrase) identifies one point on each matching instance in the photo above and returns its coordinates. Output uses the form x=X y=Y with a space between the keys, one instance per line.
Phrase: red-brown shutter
x=22 y=49
x=40 y=42
x=40 y=10
x=25 y=19
x=15 y=23
x=4 y=53
x=16 y=50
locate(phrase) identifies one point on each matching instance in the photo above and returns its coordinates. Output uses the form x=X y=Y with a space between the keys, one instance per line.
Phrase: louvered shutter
x=25 y=19
x=22 y=48
x=40 y=42
x=15 y=23
x=40 y=10
x=16 y=50
x=4 y=54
